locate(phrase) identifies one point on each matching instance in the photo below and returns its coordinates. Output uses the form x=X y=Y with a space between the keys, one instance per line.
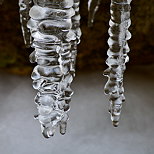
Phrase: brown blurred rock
x=93 y=47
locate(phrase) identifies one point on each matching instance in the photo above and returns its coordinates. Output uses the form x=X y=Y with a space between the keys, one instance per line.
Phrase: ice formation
x=117 y=55
x=25 y=6
x=93 y=6
x=117 y=52
x=54 y=28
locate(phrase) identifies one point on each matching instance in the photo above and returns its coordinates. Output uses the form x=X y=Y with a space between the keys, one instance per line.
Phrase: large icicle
x=117 y=55
x=93 y=6
x=25 y=6
x=54 y=27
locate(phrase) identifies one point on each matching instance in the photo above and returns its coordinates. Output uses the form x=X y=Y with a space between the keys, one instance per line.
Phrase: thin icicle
x=54 y=27
x=25 y=6
x=76 y=28
x=117 y=55
x=93 y=6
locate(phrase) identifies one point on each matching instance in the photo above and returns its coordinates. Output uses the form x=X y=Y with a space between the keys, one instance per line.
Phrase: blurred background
x=89 y=129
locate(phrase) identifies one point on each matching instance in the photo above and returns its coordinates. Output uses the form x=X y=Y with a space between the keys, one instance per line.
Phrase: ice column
x=55 y=32
x=117 y=55
x=93 y=6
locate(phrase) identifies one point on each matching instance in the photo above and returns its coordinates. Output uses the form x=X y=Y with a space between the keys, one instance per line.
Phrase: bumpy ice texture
x=54 y=27
x=117 y=55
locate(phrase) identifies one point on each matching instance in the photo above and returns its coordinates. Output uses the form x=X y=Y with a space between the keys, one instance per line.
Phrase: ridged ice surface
x=54 y=27
x=93 y=6
x=117 y=55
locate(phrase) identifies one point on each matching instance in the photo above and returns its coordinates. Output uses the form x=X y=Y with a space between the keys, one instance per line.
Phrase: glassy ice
x=117 y=55
x=93 y=6
x=54 y=29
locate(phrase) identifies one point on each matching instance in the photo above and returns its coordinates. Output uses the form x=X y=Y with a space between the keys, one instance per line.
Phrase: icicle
x=93 y=6
x=77 y=31
x=117 y=55
x=25 y=6
x=54 y=26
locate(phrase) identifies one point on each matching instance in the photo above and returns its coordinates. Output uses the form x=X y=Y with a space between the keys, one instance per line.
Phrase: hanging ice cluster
x=117 y=52
x=55 y=32
x=117 y=55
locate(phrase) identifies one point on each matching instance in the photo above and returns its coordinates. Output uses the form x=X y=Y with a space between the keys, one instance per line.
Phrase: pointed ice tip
x=62 y=133
x=115 y=123
x=90 y=24
x=47 y=134
x=36 y=117
x=63 y=128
